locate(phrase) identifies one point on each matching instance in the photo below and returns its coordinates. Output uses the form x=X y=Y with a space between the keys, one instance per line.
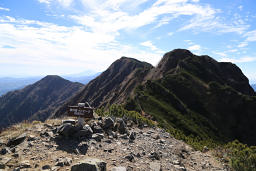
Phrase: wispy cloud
x=212 y=23
x=194 y=48
x=45 y=44
x=222 y=54
x=149 y=44
x=250 y=36
x=170 y=33
x=243 y=44
x=4 y=9
x=115 y=19
x=238 y=60
x=65 y=3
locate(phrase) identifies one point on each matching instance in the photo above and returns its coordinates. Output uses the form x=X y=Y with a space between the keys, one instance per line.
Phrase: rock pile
x=101 y=144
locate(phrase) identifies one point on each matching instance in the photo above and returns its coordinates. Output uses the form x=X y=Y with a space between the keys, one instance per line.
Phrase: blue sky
x=39 y=37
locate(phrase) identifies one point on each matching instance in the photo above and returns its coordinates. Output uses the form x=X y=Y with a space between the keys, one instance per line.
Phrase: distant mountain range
x=11 y=83
x=36 y=101
x=193 y=95
x=84 y=79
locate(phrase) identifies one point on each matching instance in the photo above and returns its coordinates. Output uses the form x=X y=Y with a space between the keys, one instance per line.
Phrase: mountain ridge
x=35 y=101
x=109 y=86
x=195 y=95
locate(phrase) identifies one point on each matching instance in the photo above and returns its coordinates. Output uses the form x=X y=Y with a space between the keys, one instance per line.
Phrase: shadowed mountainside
x=193 y=95
x=114 y=85
x=36 y=101
x=200 y=97
x=254 y=87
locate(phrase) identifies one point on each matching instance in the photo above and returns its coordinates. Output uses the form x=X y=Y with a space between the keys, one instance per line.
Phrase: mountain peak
x=171 y=59
x=52 y=77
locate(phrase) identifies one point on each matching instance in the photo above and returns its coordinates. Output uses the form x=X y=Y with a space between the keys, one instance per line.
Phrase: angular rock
x=85 y=132
x=1 y=142
x=205 y=149
x=31 y=138
x=2 y=166
x=16 y=169
x=155 y=166
x=130 y=157
x=98 y=137
x=63 y=162
x=5 y=151
x=24 y=164
x=97 y=129
x=108 y=123
x=121 y=126
x=180 y=168
x=67 y=130
x=17 y=140
x=124 y=136
x=82 y=148
x=155 y=156
x=15 y=155
x=89 y=164
x=71 y=121
x=47 y=134
x=132 y=136
x=118 y=168
x=46 y=167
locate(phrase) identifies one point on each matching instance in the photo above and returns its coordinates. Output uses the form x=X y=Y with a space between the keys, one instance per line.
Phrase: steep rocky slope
x=191 y=95
x=200 y=97
x=114 y=85
x=36 y=101
x=102 y=144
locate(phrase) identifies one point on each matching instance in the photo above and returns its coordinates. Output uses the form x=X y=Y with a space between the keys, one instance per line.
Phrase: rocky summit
x=104 y=143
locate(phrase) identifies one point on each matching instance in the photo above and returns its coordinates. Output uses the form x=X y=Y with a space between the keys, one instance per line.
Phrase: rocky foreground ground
x=101 y=144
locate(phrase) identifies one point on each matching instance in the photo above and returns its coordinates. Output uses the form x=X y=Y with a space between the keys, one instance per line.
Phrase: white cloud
x=45 y=1
x=213 y=24
x=41 y=44
x=114 y=19
x=163 y=21
x=243 y=44
x=222 y=54
x=239 y=60
x=4 y=9
x=240 y=7
x=65 y=3
x=150 y=45
x=194 y=48
x=170 y=33
x=250 y=36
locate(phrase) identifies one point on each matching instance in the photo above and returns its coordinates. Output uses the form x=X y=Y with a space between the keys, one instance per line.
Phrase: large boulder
x=85 y=132
x=67 y=130
x=97 y=129
x=17 y=140
x=98 y=137
x=89 y=164
x=108 y=123
x=121 y=126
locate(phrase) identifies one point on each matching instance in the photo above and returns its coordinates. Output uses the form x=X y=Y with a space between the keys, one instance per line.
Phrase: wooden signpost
x=83 y=110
